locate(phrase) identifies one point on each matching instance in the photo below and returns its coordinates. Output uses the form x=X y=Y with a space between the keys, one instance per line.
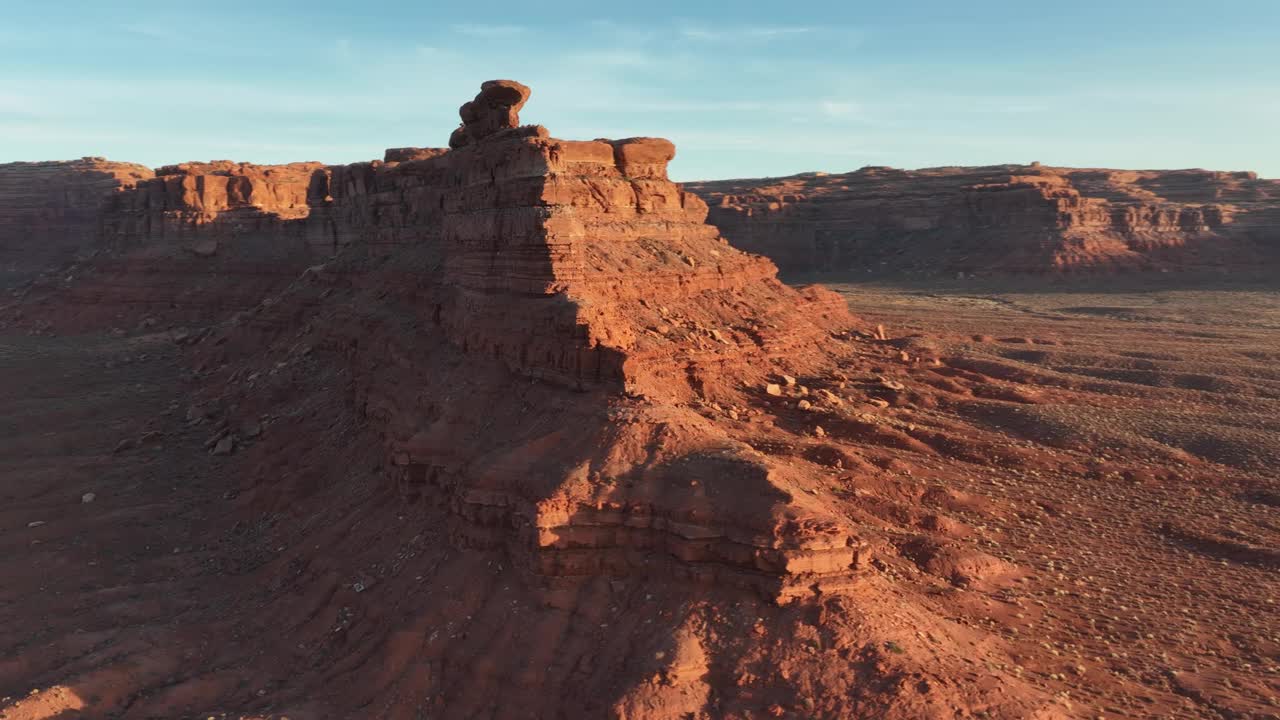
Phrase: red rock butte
x=508 y=430
x=580 y=265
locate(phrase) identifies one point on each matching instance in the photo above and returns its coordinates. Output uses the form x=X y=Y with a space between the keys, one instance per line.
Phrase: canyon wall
x=50 y=211
x=187 y=244
x=1006 y=218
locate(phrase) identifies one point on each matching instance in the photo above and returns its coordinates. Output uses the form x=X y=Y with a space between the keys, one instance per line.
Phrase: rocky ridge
x=1005 y=218
x=50 y=211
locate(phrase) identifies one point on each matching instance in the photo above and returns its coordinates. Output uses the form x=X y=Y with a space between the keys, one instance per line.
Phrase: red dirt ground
x=1076 y=497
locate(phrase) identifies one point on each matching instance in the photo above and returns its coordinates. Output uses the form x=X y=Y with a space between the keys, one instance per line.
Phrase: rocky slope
x=1006 y=218
x=564 y=372
x=536 y=441
x=50 y=211
x=507 y=430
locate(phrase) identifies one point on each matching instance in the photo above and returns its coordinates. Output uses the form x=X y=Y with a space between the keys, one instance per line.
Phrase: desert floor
x=1134 y=499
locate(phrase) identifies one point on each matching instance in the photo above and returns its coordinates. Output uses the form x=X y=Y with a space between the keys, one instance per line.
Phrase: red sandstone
x=1006 y=218
x=507 y=430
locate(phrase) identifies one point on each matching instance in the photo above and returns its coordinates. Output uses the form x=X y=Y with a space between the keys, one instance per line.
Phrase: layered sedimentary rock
x=526 y=437
x=50 y=211
x=568 y=379
x=495 y=108
x=577 y=264
x=194 y=242
x=203 y=200
x=581 y=265
x=1006 y=218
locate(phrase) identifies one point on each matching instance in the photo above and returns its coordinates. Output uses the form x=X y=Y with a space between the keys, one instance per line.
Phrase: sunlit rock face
x=1007 y=218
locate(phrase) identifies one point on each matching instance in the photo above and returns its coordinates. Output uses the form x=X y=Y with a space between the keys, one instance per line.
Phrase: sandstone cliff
x=187 y=244
x=1005 y=218
x=580 y=265
x=50 y=211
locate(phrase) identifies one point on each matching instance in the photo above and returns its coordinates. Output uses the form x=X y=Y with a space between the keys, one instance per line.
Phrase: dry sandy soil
x=1164 y=572
x=1115 y=518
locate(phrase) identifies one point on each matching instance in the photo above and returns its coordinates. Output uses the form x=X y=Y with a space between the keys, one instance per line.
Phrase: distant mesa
x=1002 y=219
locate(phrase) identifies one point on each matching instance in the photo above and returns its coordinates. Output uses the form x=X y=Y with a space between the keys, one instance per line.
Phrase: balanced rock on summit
x=496 y=107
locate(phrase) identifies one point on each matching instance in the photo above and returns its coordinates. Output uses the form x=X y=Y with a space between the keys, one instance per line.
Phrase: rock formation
x=580 y=265
x=507 y=430
x=568 y=378
x=192 y=242
x=495 y=108
x=1005 y=218
x=50 y=211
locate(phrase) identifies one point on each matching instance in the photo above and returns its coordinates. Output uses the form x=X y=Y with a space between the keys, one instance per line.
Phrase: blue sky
x=743 y=88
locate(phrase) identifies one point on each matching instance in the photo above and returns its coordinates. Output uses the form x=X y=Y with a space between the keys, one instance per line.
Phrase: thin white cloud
x=487 y=31
x=729 y=34
x=839 y=109
x=776 y=31
x=71 y=98
x=625 y=33
x=14 y=104
x=699 y=34
x=153 y=31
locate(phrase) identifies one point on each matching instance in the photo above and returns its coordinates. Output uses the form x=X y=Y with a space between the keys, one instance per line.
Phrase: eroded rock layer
x=580 y=265
x=50 y=211
x=191 y=243
x=1006 y=218
x=560 y=368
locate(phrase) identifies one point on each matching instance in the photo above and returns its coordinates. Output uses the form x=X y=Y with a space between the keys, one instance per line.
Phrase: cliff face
x=203 y=200
x=579 y=264
x=1003 y=218
x=189 y=243
x=50 y=211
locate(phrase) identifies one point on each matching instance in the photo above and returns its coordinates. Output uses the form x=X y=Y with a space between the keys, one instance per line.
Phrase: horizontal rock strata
x=1006 y=218
x=50 y=211
x=544 y=442
x=516 y=258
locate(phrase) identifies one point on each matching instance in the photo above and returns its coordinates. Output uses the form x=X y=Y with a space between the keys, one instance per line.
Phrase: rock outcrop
x=577 y=264
x=191 y=243
x=565 y=374
x=50 y=211
x=1006 y=218
x=495 y=108
x=508 y=430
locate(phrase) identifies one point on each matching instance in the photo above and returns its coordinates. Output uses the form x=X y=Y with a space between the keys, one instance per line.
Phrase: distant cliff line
x=943 y=220
x=1002 y=219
